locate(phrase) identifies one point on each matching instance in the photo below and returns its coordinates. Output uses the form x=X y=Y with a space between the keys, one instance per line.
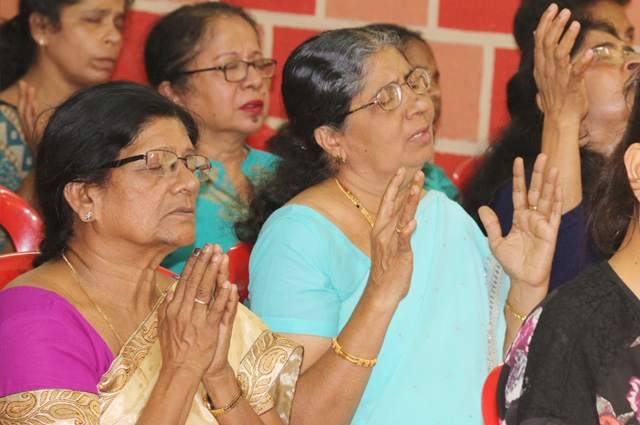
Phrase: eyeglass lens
x=614 y=56
x=237 y=70
x=166 y=163
x=390 y=96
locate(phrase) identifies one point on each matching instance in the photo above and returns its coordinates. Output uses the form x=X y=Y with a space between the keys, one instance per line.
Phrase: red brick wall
x=471 y=40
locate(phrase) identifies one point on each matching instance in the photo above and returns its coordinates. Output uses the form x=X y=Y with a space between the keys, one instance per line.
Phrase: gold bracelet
x=353 y=359
x=226 y=408
x=511 y=310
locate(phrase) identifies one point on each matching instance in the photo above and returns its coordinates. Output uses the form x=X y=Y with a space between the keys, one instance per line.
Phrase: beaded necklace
x=356 y=202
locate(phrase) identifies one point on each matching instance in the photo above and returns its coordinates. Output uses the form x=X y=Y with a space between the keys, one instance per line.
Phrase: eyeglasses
x=237 y=70
x=390 y=96
x=616 y=56
x=165 y=163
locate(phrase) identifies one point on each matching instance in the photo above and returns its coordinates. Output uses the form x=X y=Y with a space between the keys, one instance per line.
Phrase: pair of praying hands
x=194 y=326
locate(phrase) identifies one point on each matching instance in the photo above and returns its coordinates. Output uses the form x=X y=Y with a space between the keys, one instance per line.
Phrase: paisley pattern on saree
x=260 y=367
x=64 y=407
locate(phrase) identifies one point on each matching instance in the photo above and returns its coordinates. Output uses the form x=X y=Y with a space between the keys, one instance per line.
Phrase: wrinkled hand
x=28 y=111
x=391 y=252
x=561 y=86
x=527 y=251
x=194 y=335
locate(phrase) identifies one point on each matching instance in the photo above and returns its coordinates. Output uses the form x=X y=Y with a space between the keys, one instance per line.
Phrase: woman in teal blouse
x=207 y=58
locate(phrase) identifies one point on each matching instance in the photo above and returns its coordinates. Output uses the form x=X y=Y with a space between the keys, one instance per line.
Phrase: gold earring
x=339 y=159
x=88 y=216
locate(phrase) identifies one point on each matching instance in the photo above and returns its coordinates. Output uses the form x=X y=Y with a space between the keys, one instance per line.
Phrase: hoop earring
x=339 y=159
x=88 y=216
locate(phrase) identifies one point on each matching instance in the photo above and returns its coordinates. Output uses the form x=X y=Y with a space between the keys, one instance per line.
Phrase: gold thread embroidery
x=261 y=365
x=50 y=406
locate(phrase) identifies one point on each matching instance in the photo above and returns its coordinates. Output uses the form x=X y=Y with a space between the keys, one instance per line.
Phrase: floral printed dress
x=576 y=359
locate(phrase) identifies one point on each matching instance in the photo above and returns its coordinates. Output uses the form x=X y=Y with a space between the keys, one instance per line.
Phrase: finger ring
x=200 y=301
x=533 y=207
x=398 y=229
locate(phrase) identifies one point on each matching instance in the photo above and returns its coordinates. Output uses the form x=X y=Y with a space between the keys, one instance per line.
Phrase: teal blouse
x=435 y=178
x=446 y=335
x=218 y=206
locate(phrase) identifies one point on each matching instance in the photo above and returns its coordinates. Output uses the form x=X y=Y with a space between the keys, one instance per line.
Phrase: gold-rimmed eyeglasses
x=390 y=96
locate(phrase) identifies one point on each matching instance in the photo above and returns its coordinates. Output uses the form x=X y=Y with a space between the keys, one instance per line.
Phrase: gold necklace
x=356 y=202
x=104 y=316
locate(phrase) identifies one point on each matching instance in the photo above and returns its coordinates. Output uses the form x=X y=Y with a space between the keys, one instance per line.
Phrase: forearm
x=560 y=144
x=221 y=390
x=178 y=386
x=522 y=298
x=330 y=390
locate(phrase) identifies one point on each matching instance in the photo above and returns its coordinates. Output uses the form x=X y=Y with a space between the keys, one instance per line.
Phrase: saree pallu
x=266 y=366
x=446 y=334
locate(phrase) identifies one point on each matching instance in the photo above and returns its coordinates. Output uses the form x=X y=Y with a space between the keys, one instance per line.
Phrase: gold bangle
x=511 y=310
x=353 y=359
x=226 y=408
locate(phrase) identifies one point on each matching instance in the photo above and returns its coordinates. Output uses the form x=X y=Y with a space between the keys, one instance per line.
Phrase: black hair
x=17 y=47
x=530 y=11
x=173 y=42
x=86 y=131
x=320 y=79
x=522 y=137
x=612 y=204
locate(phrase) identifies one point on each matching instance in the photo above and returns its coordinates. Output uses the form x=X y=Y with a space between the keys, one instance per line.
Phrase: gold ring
x=200 y=301
x=533 y=207
x=398 y=230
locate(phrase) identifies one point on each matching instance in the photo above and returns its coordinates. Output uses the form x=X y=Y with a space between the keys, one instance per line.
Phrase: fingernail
x=226 y=284
x=207 y=248
x=399 y=171
x=416 y=177
x=216 y=258
x=564 y=13
x=196 y=252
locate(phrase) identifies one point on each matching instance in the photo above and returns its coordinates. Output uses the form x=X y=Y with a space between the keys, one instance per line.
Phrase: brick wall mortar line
x=432 y=14
x=486 y=90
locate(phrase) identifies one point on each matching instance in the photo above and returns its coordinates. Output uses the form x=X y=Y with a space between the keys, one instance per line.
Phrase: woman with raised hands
x=394 y=293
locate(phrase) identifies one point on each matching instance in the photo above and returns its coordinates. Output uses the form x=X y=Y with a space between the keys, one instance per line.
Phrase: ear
x=167 y=90
x=329 y=140
x=632 y=164
x=40 y=27
x=83 y=200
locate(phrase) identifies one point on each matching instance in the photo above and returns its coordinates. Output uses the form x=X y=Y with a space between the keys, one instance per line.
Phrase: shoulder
x=47 y=343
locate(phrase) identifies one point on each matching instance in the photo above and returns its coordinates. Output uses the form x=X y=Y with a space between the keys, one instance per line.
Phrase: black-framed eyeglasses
x=237 y=70
x=165 y=163
x=390 y=96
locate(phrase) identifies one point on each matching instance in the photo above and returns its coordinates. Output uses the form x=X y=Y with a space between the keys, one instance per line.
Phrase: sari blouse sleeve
x=46 y=343
x=291 y=289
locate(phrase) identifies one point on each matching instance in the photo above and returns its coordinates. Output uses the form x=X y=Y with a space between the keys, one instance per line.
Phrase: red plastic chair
x=239 y=267
x=489 y=402
x=22 y=223
x=14 y=264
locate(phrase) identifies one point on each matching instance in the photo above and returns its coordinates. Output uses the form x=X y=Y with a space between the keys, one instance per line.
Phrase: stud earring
x=339 y=159
x=88 y=216
x=41 y=42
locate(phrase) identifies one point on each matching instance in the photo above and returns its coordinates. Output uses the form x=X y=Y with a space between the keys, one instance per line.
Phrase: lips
x=253 y=107
x=106 y=63
x=183 y=210
x=422 y=136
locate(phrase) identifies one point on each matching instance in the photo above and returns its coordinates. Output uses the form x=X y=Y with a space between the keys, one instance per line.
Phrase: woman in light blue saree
x=399 y=303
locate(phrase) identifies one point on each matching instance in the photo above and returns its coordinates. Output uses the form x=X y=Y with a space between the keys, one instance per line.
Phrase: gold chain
x=356 y=202
x=104 y=316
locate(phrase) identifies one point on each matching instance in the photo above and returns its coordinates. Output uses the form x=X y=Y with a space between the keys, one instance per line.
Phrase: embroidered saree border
x=50 y=406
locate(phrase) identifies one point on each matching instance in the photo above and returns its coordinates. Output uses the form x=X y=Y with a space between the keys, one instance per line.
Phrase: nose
x=632 y=64
x=253 y=78
x=185 y=180
x=418 y=104
x=113 y=35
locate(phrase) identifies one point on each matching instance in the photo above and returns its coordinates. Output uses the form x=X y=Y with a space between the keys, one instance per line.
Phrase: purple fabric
x=572 y=252
x=46 y=343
